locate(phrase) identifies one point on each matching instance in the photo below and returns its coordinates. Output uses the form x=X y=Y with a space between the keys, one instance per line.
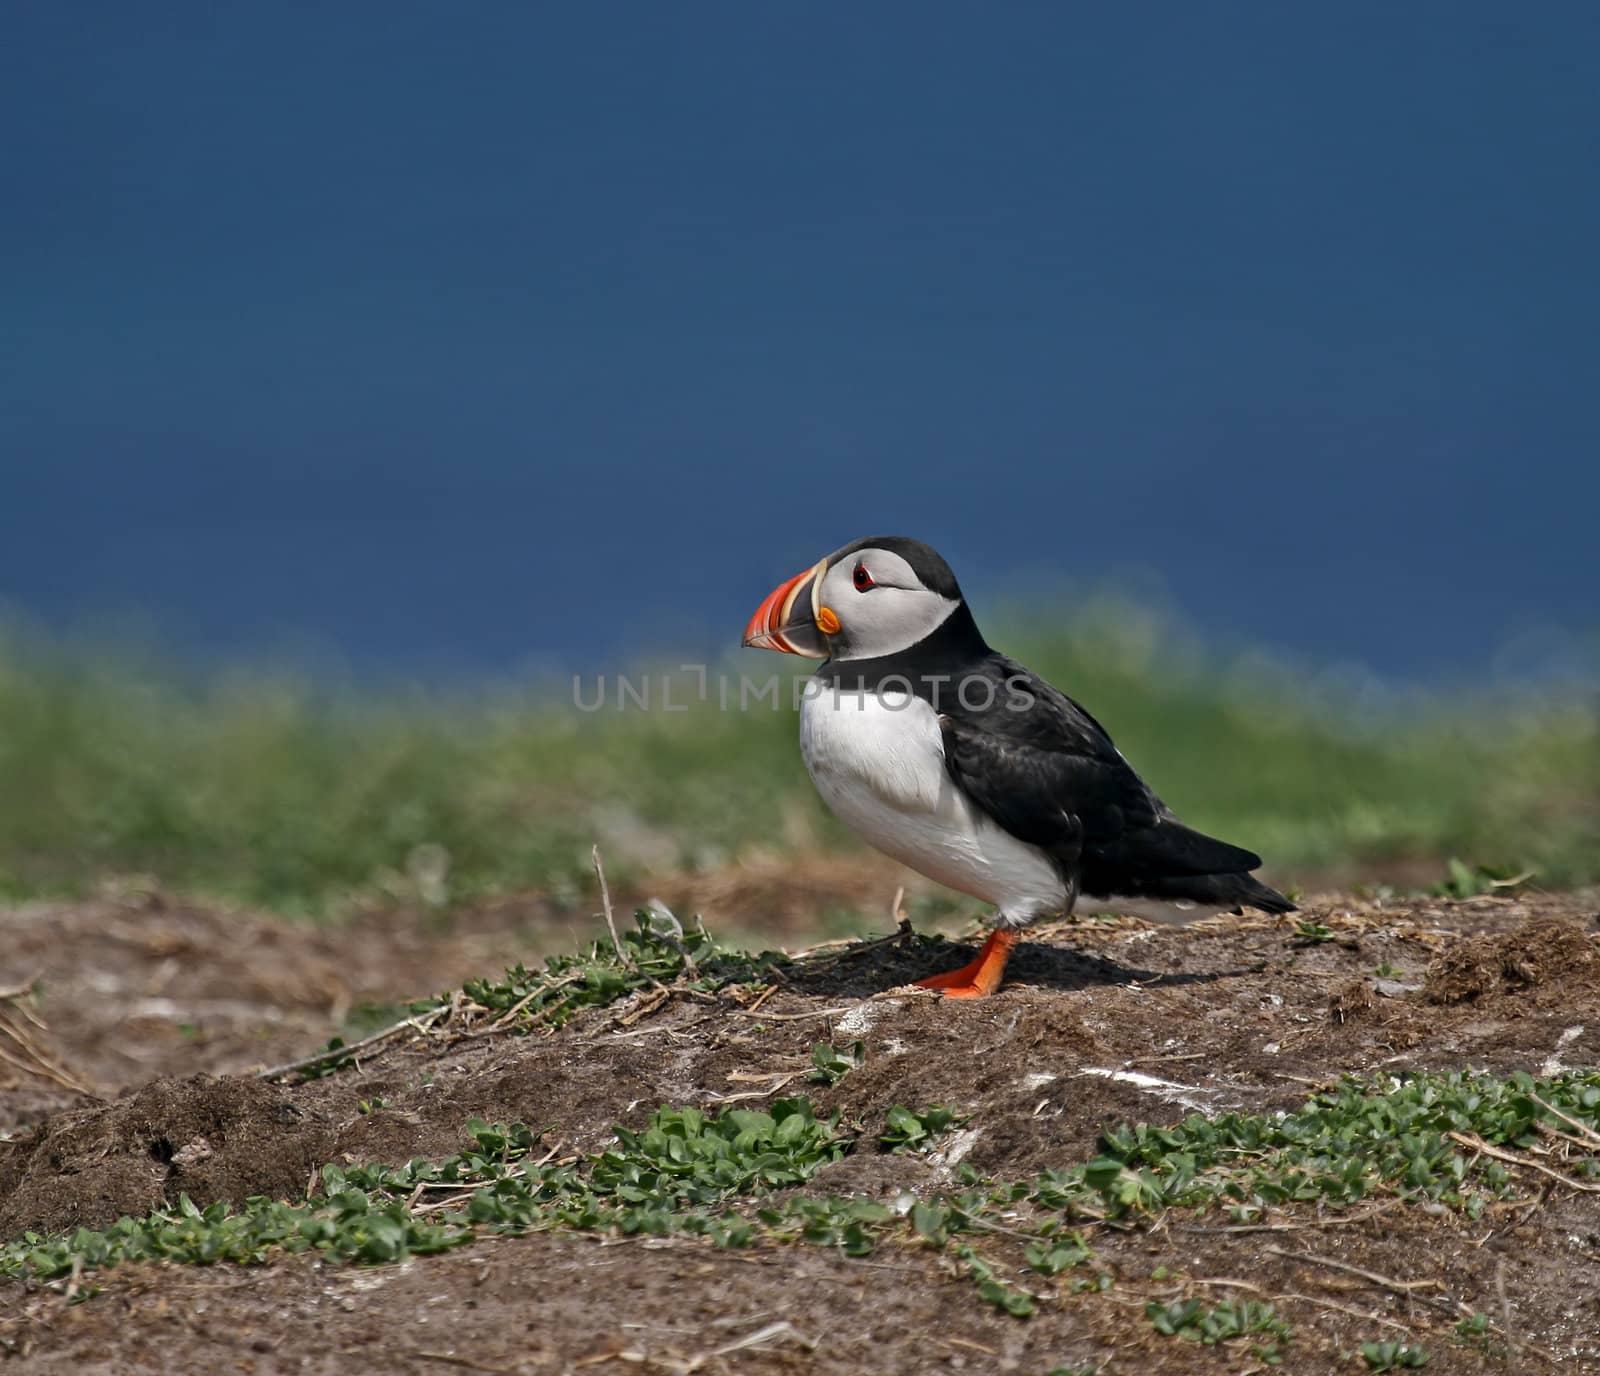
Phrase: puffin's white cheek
x=887 y=620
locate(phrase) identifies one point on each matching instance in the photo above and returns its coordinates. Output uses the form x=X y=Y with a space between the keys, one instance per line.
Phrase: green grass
x=268 y=789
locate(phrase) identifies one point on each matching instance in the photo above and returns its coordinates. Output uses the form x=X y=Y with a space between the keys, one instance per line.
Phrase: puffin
x=971 y=769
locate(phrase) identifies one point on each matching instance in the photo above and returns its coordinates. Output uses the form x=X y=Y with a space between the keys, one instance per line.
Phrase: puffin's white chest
x=877 y=759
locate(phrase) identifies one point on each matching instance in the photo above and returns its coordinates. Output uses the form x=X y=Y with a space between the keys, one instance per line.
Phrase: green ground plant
x=1394 y=1356
x=909 y=1131
x=1221 y=1323
x=1314 y=933
x=830 y=1064
x=1468 y=881
x=739 y=1176
x=1415 y=1136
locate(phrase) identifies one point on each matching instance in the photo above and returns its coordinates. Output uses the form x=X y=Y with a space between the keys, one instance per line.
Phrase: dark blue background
x=455 y=335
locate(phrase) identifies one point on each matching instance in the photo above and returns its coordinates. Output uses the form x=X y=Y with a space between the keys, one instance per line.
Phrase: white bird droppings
x=956 y=1148
x=860 y=1018
x=1164 y=1089
x=372 y=1279
x=1552 y=1063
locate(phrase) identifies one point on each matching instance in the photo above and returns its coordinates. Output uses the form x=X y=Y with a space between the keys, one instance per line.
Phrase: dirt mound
x=1103 y=1023
x=1542 y=950
x=137 y=984
x=207 y=1138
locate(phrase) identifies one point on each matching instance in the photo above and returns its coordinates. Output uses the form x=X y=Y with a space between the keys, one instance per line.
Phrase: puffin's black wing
x=1041 y=767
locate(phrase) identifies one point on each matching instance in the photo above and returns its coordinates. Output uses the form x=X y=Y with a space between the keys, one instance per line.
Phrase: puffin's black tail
x=1208 y=890
x=1229 y=891
x=1174 y=862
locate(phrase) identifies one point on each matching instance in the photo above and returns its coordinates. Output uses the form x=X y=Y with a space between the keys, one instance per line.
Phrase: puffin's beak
x=787 y=619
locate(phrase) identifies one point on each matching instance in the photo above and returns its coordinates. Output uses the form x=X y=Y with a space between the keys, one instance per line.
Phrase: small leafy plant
x=1056 y=1254
x=330 y=1064
x=1393 y=1356
x=917 y=1131
x=830 y=1064
x=1221 y=1323
x=1010 y=1299
x=1469 y=881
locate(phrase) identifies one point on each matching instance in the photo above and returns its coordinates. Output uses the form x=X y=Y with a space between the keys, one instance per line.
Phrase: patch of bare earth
x=137 y=985
x=1102 y=1022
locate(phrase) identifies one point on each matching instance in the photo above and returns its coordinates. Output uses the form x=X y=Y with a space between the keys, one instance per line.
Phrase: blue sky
x=465 y=335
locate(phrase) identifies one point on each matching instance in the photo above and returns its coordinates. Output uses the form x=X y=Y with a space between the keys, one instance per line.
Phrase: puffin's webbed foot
x=980 y=978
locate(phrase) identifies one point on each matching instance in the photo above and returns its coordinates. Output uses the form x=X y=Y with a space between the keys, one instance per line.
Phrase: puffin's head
x=875 y=597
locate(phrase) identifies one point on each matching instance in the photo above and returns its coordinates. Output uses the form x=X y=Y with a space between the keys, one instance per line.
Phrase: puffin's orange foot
x=959 y=991
x=980 y=978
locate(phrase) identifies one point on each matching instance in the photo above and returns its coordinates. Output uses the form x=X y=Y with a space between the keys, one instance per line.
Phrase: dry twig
x=35 y=1062
x=853 y=946
x=605 y=902
x=1344 y=1221
x=17 y=991
x=761 y=998
x=1505 y=1304
x=1307 y=1299
x=1407 y=1289
x=782 y=1329
x=1588 y=1134
x=766 y=1093
x=1468 y=1139
x=971 y=1346
x=419 y=1023
x=510 y=1015
x=1399 y=1287
x=1346 y=1309
x=450 y=1359
x=793 y=1017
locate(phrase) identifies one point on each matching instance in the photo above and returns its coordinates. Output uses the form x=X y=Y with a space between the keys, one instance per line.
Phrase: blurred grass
x=274 y=790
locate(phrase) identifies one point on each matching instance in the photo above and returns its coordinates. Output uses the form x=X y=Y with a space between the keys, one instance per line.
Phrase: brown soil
x=137 y=985
x=1102 y=1021
x=1493 y=962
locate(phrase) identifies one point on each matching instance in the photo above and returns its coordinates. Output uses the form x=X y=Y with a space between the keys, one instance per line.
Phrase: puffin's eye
x=863 y=579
